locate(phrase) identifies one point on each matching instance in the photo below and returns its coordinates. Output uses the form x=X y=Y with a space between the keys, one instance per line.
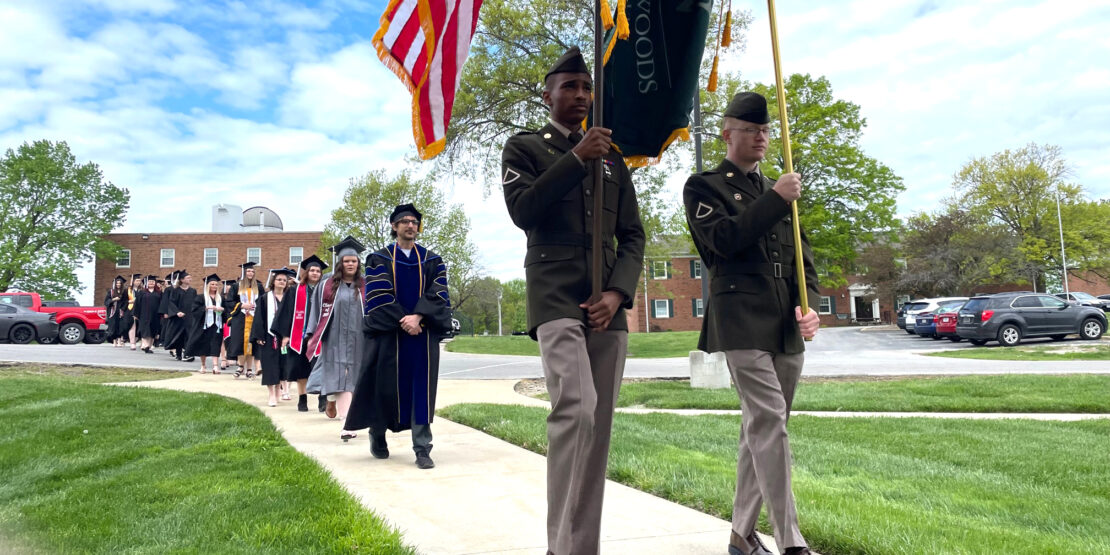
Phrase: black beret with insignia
x=748 y=106
x=570 y=62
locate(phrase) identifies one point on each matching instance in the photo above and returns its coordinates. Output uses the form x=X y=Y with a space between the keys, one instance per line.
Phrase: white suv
x=925 y=305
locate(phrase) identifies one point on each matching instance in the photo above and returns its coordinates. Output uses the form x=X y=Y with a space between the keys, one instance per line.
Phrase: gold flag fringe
x=606 y=15
x=639 y=161
x=622 y=20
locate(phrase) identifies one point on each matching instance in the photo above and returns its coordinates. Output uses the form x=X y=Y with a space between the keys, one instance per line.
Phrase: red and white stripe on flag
x=425 y=42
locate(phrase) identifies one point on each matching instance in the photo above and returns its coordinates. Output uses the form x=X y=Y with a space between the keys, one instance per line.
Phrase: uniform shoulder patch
x=703 y=210
x=510 y=176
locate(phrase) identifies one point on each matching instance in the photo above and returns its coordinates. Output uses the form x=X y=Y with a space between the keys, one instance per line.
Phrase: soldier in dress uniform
x=548 y=184
x=740 y=222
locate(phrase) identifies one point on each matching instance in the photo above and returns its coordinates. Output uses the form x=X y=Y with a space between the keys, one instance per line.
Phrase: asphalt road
x=835 y=351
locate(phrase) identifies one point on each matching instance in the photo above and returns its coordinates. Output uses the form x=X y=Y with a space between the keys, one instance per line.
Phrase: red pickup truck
x=75 y=323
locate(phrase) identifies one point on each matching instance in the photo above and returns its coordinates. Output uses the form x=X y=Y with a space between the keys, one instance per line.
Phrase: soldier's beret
x=748 y=106
x=570 y=62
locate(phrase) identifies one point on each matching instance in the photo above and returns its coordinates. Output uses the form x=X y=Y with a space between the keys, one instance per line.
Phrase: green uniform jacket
x=746 y=239
x=549 y=195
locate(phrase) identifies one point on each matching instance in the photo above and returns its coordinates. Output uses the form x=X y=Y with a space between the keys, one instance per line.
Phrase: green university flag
x=651 y=78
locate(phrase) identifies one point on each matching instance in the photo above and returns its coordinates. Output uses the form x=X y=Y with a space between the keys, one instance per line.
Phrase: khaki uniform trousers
x=583 y=369
x=765 y=382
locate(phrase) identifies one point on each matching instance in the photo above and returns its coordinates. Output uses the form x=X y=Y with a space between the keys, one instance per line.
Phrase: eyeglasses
x=751 y=130
x=408 y=221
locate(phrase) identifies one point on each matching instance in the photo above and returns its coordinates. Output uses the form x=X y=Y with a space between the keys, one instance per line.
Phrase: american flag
x=425 y=42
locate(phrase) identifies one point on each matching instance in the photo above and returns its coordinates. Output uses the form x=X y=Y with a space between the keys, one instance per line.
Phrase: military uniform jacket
x=746 y=238
x=549 y=194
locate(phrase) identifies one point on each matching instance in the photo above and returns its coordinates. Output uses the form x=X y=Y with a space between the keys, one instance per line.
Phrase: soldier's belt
x=584 y=240
x=773 y=269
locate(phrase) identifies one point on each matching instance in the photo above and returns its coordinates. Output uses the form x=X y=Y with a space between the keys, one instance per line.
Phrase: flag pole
x=597 y=256
x=788 y=162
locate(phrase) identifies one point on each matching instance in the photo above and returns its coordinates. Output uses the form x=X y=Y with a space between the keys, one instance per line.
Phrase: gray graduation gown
x=338 y=367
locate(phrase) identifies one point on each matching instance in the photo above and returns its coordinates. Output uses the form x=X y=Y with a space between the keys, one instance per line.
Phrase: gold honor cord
x=799 y=262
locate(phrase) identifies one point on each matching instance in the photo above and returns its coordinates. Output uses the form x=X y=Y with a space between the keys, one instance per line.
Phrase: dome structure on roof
x=260 y=218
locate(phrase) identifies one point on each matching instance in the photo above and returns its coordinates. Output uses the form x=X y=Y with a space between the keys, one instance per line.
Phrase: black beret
x=570 y=62
x=748 y=106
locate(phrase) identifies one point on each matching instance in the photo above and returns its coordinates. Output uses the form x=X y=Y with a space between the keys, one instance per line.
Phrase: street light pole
x=499 y=328
x=1063 y=256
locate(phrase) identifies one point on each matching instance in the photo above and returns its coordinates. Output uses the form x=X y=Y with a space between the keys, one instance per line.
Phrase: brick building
x=255 y=235
x=674 y=299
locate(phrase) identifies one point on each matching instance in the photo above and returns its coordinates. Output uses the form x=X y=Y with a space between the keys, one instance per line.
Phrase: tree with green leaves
x=56 y=213
x=1019 y=190
x=364 y=215
x=848 y=197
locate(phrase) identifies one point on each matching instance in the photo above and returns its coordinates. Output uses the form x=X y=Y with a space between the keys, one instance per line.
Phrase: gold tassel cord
x=622 y=20
x=712 y=86
x=726 y=35
x=606 y=15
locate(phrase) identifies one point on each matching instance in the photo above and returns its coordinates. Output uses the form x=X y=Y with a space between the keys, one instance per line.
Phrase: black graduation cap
x=182 y=274
x=748 y=106
x=245 y=266
x=284 y=272
x=133 y=276
x=120 y=278
x=314 y=260
x=570 y=62
x=349 y=246
x=229 y=282
x=212 y=277
x=407 y=210
x=152 y=278
x=169 y=276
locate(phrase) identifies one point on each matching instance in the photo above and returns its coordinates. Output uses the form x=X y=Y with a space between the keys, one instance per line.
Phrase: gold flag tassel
x=711 y=86
x=726 y=35
x=606 y=15
x=622 y=20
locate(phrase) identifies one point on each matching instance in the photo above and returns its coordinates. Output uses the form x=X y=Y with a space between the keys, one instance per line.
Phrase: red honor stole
x=300 y=303
x=314 y=345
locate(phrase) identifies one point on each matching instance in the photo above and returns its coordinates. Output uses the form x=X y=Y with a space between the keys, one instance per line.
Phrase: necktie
x=574 y=137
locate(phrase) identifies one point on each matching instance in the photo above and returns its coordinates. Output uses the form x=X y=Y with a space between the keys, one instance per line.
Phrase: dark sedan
x=20 y=325
x=1010 y=317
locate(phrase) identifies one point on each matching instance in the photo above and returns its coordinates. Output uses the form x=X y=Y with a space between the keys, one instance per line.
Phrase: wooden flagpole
x=597 y=256
x=799 y=262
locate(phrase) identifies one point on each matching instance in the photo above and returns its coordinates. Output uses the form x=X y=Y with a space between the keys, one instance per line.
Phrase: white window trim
x=655 y=308
x=699 y=269
x=128 y=265
x=291 y=262
x=827 y=310
x=204 y=255
x=700 y=313
x=655 y=272
x=162 y=258
x=259 y=249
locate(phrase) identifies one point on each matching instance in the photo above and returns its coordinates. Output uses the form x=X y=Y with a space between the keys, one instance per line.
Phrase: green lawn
x=871 y=485
x=1070 y=350
x=1081 y=393
x=640 y=345
x=106 y=469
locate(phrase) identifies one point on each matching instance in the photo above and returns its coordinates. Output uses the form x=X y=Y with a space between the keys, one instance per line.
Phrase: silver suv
x=927 y=305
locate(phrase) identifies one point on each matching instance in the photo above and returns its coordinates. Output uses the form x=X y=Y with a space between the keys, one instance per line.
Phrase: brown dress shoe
x=330 y=409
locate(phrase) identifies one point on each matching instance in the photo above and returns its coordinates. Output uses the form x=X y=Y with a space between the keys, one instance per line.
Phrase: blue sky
x=192 y=103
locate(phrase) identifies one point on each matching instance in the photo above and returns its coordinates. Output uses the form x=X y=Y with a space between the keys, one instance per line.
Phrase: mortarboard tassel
x=622 y=20
x=606 y=15
x=712 y=86
x=726 y=36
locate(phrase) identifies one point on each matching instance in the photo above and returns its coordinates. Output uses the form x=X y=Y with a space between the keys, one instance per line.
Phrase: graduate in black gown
x=178 y=306
x=244 y=295
x=268 y=348
x=289 y=324
x=206 y=323
x=167 y=284
x=130 y=319
x=146 y=311
x=113 y=299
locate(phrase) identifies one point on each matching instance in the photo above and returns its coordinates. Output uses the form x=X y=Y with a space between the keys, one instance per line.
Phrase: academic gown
x=112 y=308
x=175 y=328
x=127 y=308
x=336 y=369
x=203 y=341
x=269 y=352
x=146 y=310
x=296 y=365
x=237 y=324
x=401 y=371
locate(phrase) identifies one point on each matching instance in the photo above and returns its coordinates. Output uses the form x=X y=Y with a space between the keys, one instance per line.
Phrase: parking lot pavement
x=835 y=352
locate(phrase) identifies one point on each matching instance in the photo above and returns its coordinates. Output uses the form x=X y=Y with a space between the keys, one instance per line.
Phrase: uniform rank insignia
x=510 y=176
x=703 y=210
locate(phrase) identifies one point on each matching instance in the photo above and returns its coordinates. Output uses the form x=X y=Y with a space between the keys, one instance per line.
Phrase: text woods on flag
x=425 y=42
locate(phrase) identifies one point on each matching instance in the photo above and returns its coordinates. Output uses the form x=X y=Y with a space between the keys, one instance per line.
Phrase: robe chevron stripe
x=425 y=42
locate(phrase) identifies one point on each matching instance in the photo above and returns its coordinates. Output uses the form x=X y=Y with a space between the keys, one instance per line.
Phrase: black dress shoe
x=423 y=461
x=323 y=403
x=189 y=359
x=752 y=539
x=378 y=446
x=798 y=551
x=302 y=403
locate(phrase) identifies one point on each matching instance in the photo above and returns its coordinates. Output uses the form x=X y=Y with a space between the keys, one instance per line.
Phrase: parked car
x=1010 y=317
x=946 y=324
x=905 y=316
x=21 y=326
x=74 y=323
x=929 y=305
x=1085 y=299
x=924 y=324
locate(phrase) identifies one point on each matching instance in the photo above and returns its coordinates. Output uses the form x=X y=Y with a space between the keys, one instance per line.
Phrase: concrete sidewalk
x=484 y=496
